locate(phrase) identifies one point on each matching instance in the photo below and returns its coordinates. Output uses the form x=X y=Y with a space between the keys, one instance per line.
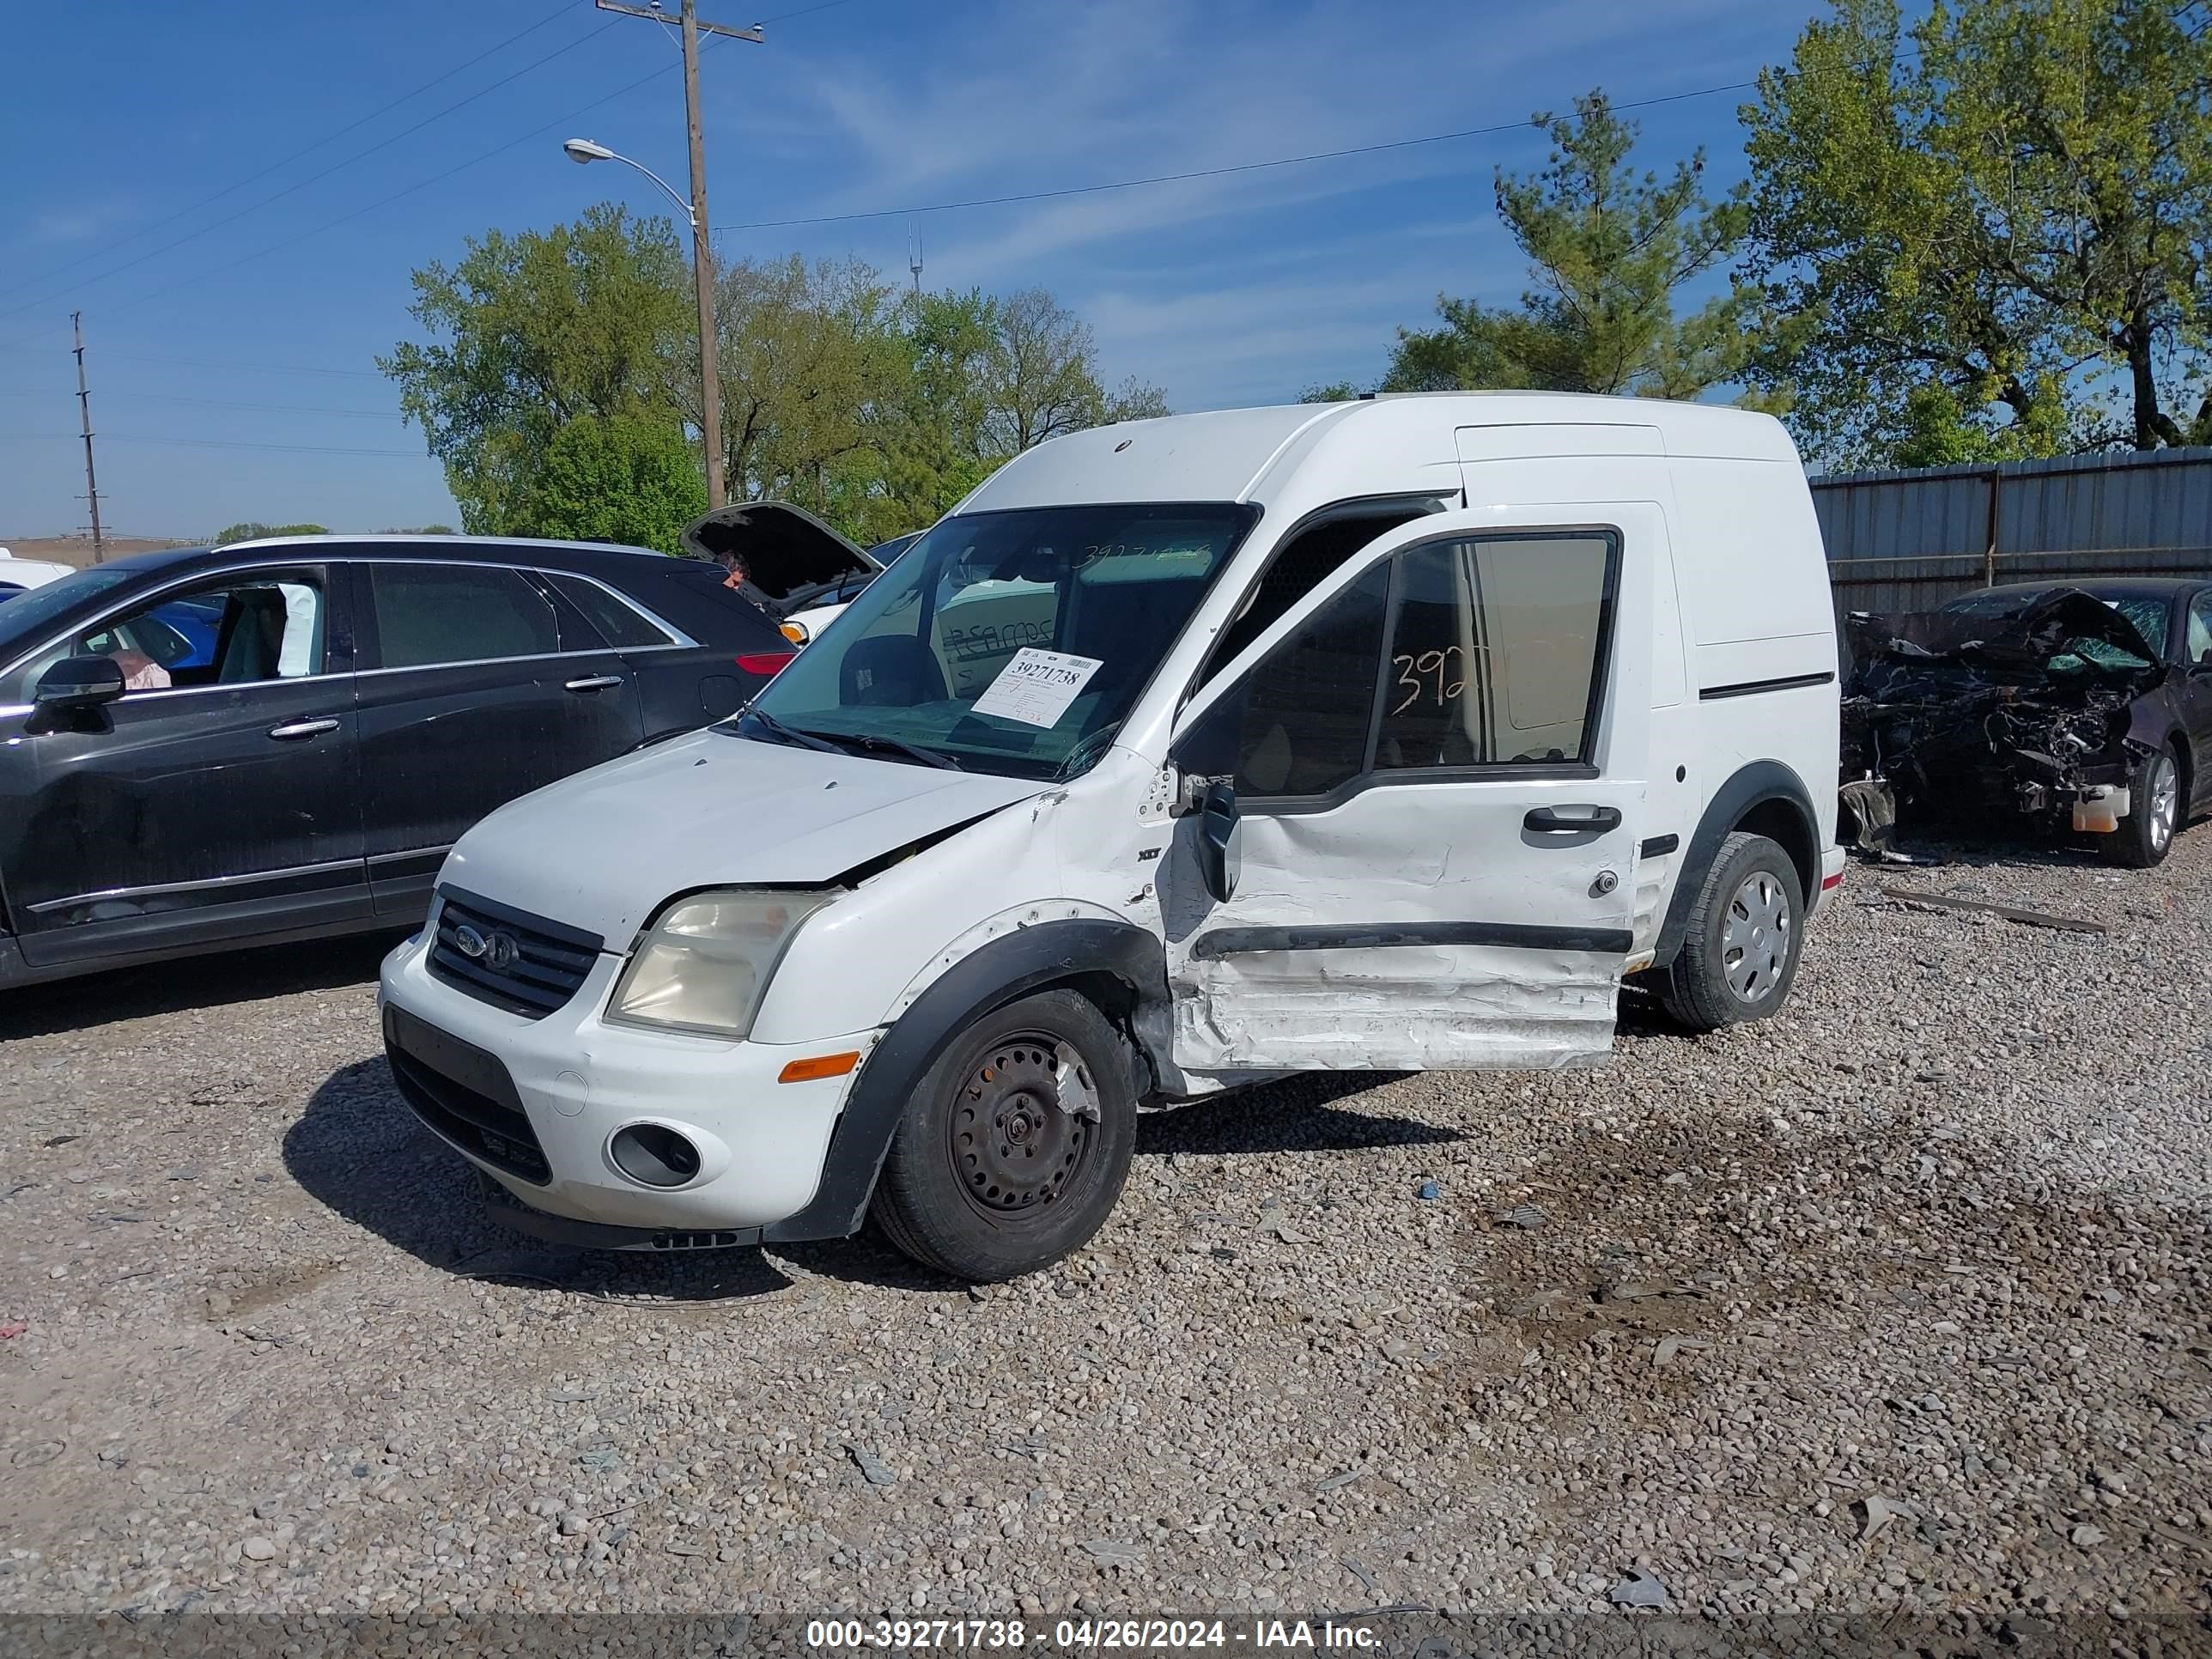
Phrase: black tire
x=2145 y=834
x=1007 y=1203
x=1715 y=979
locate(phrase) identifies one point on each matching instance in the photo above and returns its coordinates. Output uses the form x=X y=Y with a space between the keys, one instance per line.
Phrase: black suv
x=280 y=739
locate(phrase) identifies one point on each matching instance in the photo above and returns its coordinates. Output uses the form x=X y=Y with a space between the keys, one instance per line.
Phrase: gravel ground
x=1896 y=1304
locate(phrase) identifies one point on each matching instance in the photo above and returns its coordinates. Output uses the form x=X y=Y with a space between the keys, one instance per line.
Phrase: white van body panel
x=809 y=817
x=1721 y=589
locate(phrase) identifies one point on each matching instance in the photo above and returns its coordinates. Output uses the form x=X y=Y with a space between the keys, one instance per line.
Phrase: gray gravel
x=1898 y=1302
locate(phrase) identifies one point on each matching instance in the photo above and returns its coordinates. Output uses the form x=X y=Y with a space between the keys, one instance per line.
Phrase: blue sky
x=258 y=327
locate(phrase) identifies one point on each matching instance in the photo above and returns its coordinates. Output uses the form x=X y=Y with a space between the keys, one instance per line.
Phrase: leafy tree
x=536 y=330
x=809 y=353
x=1330 y=391
x=625 y=478
x=1609 y=249
x=1988 y=234
x=250 y=531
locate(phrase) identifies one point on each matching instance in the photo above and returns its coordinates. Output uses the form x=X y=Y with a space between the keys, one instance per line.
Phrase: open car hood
x=790 y=554
x=2013 y=647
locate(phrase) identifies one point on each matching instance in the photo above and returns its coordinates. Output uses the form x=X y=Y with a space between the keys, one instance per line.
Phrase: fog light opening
x=653 y=1156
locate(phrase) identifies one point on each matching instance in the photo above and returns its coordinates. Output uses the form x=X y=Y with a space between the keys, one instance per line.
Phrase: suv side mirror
x=1216 y=840
x=79 y=682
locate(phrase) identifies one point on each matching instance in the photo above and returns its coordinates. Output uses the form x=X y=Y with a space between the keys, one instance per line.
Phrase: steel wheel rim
x=1022 y=1124
x=2164 y=800
x=1755 y=939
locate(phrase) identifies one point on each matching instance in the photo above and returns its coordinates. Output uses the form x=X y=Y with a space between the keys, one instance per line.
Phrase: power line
x=217 y=362
x=314 y=178
x=210 y=443
x=258 y=254
x=804 y=11
x=285 y=160
x=276 y=409
x=1213 y=173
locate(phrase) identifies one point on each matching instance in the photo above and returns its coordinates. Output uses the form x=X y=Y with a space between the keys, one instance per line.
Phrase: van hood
x=604 y=849
x=789 y=552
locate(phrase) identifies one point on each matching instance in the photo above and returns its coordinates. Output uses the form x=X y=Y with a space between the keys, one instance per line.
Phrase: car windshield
x=1008 y=642
x=2147 y=614
x=24 y=620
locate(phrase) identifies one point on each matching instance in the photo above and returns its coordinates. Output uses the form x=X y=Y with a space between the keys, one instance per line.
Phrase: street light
x=583 y=151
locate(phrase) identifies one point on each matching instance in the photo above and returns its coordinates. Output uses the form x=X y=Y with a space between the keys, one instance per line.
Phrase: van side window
x=1481 y=651
x=1299 y=722
x=1494 y=652
x=1300 y=565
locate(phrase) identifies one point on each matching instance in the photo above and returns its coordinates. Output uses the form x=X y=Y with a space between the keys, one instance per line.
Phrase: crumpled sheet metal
x=1963 y=711
x=1396 y=1008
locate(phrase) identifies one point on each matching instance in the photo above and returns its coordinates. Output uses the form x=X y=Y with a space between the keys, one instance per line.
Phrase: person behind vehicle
x=739 y=579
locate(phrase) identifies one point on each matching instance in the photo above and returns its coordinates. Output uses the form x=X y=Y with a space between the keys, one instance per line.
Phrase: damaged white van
x=1185 y=752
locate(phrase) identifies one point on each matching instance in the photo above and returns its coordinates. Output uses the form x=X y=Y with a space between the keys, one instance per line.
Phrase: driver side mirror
x=79 y=682
x=1217 y=859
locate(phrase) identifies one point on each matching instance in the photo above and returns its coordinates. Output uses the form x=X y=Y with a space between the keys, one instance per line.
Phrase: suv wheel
x=1738 y=954
x=1012 y=1151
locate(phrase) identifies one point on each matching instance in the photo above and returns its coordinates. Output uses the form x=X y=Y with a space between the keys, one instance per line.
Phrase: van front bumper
x=536 y=1105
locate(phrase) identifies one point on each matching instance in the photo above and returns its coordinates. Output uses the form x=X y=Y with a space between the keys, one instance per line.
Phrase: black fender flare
x=994 y=973
x=1751 y=786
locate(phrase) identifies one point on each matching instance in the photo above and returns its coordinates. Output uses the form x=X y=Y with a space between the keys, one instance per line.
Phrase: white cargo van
x=1385 y=735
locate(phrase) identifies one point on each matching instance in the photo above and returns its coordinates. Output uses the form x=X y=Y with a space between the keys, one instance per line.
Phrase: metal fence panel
x=1908 y=541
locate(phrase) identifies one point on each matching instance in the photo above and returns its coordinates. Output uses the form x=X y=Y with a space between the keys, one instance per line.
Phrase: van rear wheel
x=1014 y=1149
x=1738 y=954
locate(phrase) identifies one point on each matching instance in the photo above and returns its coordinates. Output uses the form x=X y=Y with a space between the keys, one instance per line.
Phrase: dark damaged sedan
x=2083 y=706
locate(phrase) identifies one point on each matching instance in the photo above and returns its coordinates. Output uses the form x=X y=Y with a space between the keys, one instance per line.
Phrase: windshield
x=2149 y=616
x=25 y=619
x=1007 y=642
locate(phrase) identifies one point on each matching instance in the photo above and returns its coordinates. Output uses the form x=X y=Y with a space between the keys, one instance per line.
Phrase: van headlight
x=704 y=962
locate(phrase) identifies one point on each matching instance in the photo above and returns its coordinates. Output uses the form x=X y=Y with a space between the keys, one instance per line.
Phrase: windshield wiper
x=848 y=743
x=899 y=745
x=804 y=739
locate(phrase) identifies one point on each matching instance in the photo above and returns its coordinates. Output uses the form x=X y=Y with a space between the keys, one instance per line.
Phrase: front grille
x=464 y=1094
x=530 y=966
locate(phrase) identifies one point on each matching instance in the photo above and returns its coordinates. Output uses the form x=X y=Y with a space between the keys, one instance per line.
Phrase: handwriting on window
x=1432 y=679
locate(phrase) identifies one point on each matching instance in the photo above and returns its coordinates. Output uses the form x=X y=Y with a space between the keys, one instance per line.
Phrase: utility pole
x=703 y=253
x=84 y=416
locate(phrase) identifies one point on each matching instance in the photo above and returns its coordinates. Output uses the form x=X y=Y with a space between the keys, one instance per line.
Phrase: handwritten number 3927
x=1428 y=674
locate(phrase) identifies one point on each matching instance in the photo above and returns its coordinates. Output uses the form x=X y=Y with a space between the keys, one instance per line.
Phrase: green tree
x=628 y=478
x=1989 y=233
x=1330 y=391
x=1609 y=249
x=986 y=378
x=251 y=530
x=809 y=353
x=531 y=333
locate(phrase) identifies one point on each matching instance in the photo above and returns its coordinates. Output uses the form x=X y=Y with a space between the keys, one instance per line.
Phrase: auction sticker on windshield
x=1035 y=687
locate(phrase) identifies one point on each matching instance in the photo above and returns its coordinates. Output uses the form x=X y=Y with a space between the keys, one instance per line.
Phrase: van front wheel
x=1739 y=953
x=1013 y=1150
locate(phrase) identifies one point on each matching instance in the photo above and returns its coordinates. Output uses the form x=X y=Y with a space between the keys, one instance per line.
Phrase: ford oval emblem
x=470 y=942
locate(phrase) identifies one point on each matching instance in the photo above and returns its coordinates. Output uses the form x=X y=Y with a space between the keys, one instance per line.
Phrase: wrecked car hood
x=1961 y=712
x=789 y=553
x=602 y=849
x=2013 y=647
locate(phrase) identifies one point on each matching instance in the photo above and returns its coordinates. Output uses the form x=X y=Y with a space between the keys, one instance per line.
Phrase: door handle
x=292 y=729
x=1571 y=821
x=595 y=683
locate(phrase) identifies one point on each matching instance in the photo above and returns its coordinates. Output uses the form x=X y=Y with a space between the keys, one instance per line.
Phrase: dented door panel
x=1418 y=925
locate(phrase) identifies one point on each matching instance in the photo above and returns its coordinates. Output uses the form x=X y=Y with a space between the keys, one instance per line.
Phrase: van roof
x=1241 y=454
